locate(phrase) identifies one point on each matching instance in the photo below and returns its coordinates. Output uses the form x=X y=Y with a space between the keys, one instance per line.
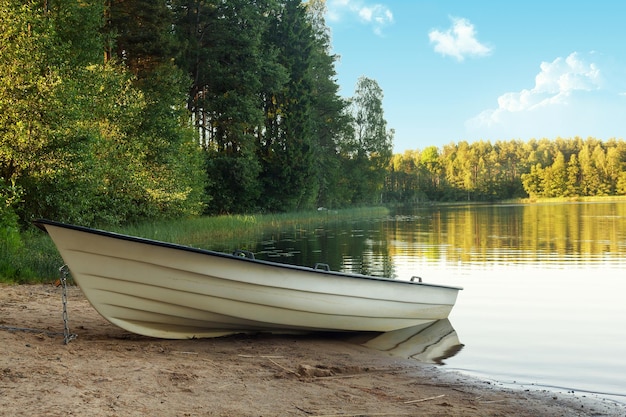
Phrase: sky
x=458 y=70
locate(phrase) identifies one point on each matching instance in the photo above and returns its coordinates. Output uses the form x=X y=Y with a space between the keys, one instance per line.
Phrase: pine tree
x=328 y=109
x=287 y=145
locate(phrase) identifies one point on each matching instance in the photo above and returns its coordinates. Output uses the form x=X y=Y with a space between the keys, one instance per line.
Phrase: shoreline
x=106 y=371
x=618 y=399
x=584 y=395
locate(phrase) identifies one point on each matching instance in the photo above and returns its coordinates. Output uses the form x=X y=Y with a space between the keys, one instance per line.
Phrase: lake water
x=543 y=303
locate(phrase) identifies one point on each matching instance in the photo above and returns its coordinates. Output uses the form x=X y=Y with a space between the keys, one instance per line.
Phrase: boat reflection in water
x=429 y=343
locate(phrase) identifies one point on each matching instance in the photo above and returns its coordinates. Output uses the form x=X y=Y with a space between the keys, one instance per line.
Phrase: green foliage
x=142 y=33
x=264 y=101
x=370 y=149
x=10 y=238
x=85 y=140
x=330 y=123
x=288 y=146
x=483 y=172
x=171 y=169
x=234 y=183
x=24 y=87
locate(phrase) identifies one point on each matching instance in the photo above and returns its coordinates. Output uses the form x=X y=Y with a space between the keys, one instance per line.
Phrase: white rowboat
x=171 y=291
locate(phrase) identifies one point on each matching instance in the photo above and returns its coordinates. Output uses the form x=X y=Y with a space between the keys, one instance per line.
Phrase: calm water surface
x=544 y=284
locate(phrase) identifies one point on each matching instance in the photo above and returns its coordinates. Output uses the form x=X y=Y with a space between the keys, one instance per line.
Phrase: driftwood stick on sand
x=424 y=399
x=261 y=356
x=361 y=414
x=282 y=367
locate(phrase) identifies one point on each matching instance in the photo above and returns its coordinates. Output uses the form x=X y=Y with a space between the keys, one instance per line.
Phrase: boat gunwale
x=40 y=223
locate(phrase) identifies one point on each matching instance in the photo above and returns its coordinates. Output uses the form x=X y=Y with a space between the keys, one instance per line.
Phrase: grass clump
x=198 y=231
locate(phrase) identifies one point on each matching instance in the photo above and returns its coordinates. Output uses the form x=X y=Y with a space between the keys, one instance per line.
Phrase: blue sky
x=482 y=70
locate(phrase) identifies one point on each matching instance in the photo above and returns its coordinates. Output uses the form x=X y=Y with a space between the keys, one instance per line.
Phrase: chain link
x=67 y=336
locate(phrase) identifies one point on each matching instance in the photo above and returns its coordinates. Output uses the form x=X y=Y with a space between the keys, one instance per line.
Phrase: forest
x=113 y=112
x=120 y=111
x=482 y=171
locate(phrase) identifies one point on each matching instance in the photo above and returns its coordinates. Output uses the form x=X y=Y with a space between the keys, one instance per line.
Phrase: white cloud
x=459 y=41
x=376 y=15
x=571 y=97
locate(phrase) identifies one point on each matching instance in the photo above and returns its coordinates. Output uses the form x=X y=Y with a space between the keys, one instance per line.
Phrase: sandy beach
x=106 y=371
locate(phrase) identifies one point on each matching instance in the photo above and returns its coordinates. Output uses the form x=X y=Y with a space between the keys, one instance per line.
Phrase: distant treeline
x=482 y=171
x=114 y=111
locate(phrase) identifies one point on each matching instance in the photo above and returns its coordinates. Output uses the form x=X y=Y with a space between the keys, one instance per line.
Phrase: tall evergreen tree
x=142 y=33
x=573 y=177
x=555 y=177
x=328 y=109
x=230 y=67
x=287 y=146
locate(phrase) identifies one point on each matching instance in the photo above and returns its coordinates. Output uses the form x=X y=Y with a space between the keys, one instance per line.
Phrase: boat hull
x=171 y=291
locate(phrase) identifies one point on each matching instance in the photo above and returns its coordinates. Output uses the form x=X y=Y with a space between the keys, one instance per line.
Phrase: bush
x=10 y=240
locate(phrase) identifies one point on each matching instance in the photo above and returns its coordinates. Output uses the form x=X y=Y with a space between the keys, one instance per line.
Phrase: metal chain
x=67 y=336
